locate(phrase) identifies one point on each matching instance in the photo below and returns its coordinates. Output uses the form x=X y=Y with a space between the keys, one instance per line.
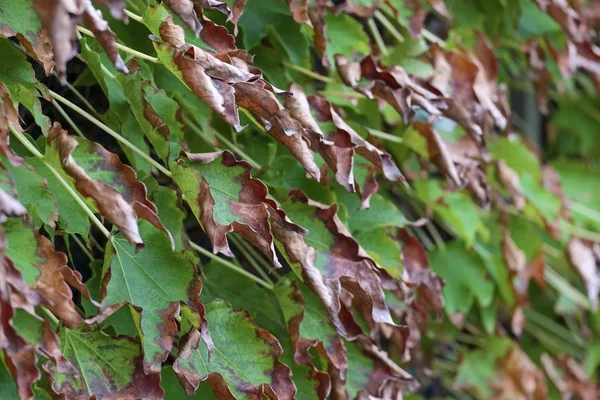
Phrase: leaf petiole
x=123 y=48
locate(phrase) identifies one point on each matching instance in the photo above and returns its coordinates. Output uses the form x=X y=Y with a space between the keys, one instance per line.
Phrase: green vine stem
x=238 y=243
x=377 y=37
x=68 y=119
x=27 y=144
x=308 y=72
x=111 y=132
x=230 y=265
x=123 y=48
x=389 y=26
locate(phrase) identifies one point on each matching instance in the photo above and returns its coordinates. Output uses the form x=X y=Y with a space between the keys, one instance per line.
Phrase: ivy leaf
x=107 y=367
x=245 y=363
x=9 y=204
x=309 y=326
x=461 y=284
x=270 y=17
x=170 y=212
x=331 y=259
x=225 y=198
x=34 y=193
x=113 y=185
x=44 y=269
x=19 y=19
x=345 y=36
x=155 y=280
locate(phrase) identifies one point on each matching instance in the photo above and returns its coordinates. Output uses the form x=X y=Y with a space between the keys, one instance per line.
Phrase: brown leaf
x=37 y=44
x=9 y=117
x=439 y=153
x=93 y=20
x=582 y=258
x=21 y=357
x=236 y=13
x=238 y=205
x=540 y=75
x=101 y=181
x=572 y=381
x=345 y=264
x=346 y=137
x=184 y=9
x=9 y=203
x=511 y=182
x=60 y=17
x=518 y=378
x=349 y=71
x=422 y=293
x=115 y=7
x=440 y=7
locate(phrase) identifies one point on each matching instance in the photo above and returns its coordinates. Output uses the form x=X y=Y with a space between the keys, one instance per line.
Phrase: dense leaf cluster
x=309 y=199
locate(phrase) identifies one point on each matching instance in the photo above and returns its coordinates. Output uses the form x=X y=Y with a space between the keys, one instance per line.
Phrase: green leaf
x=22 y=248
x=173 y=390
x=345 y=36
x=381 y=213
x=156 y=279
x=170 y=213
x=34 y=193
x=382 y=249
x=268 y=16
x=465 y=277
x=245 y=361
x=108 y=367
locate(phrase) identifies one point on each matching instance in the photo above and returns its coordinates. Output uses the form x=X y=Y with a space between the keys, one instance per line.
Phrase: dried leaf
x=115 y=7
x=93 y=20
x=572 y=381
x=511 y=182
x=518 y=378
x=9 y=203
x=107 y=368
x=9 y=117
x=245 y=363
x=225 y=198
x=582 y=258
x=113 y=185
x=439 y=153
x=155 y=280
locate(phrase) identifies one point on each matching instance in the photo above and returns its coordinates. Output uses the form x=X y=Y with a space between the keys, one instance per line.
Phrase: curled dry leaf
x=583 y=258
x=155 y=280
x=509 y=179
x=115 y=7
x=18 y=298
x=108 y=368
x=309 y=327
x=61 y=17
x=9 y=117
x=439 y=153
x=518 y=378
x=9 y=203
x=225 y=198
x=113 y=186
x=571 y=381
x=93 y=20
x=245 y=363
x=184 y=9
x=331 y=260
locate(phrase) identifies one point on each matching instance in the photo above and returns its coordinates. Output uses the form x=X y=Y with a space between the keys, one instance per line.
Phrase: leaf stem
x=377 y=36
x=560 y=284
x=199 y=132
x=308 y=72
x=123 y=48
x=111 y=132
x=259 y=257
x=585 y=211
x=385 y=136
x=79 y=96
x=580 y=232
x=389 y=26
x=131 y=15
x=238 y=243
x=68 y=119
x=27 y=144
x=229 y=265
x=83 y=248
x=341 y=93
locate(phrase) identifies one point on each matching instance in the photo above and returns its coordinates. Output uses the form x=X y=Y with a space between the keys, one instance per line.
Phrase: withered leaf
x=245 y=363
x=330 y=260
x=113 y=185
x=582 y=257
x=93 y=19
x=9 y=203
x=511 y=182
x=225 y=198
x=518 y=378
x=439 y=153
x=9 y=117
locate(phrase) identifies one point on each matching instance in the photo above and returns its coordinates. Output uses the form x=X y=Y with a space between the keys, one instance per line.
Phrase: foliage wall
x=308 y=199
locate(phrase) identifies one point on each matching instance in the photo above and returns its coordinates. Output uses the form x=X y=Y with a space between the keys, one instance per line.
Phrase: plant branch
x=377 y=36
x=111 y=132
x=385 y=136
x=25 y=142
x=125 y=49
x=238 y=243
x=68 y=119
x=309 y=73
x=229 y=265
x=389 y=26
x=192 y=124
